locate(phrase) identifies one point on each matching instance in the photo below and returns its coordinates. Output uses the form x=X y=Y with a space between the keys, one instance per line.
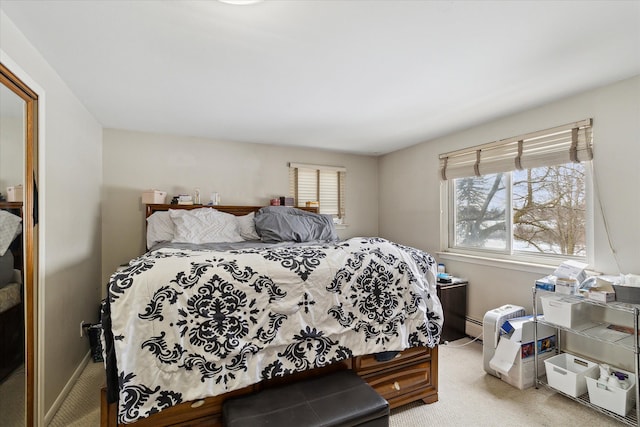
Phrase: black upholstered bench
x=338 y=399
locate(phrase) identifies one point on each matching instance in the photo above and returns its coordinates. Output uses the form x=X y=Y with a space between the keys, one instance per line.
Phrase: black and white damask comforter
x=188 y=324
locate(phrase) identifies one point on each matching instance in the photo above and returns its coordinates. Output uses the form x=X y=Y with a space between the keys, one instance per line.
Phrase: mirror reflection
x=12 y=344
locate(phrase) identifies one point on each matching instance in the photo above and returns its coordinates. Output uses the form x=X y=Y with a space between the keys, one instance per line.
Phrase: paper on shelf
x=606 y=332
x=505 y=356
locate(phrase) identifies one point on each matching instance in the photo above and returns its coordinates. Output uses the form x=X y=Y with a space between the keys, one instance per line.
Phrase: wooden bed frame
x=235 y=210
x=409 y=376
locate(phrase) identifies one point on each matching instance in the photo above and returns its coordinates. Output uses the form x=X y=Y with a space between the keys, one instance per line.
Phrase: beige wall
x=410 y=190
x=70 y=178
x=243 y=174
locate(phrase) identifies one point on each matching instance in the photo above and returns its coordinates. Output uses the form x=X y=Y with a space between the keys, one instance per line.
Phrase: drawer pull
x=197 y=403
x=396 y=385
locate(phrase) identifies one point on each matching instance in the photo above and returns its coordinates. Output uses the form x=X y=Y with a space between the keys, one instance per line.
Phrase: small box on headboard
x=150 y=197
x=15 y=194
x=286 y=201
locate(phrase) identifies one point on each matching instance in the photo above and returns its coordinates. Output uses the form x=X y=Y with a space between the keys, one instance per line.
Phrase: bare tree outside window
x=481 y=211
x=547 y=208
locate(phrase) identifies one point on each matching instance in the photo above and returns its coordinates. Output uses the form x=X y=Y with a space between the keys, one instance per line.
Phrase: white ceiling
x=357 y=76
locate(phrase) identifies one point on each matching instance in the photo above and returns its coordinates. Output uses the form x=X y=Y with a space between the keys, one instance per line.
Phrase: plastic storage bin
x=628 y=294
x=567 y=373
x=614 y=399
x=564 y=311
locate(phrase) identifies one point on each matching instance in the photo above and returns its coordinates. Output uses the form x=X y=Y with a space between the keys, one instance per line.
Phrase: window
x=322 y=184
x=497 y=205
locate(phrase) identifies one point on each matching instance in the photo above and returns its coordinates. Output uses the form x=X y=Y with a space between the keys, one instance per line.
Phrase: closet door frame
x=30 y=243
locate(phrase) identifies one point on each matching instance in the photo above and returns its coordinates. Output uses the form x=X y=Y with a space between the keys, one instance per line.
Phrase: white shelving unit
x=599 y=333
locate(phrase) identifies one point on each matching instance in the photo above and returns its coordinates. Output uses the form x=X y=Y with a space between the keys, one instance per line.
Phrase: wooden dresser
x=409 y=376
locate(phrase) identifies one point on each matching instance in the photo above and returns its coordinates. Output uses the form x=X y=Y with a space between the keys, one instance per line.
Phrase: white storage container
x=150 y=197
x=15 y=194
x=612 y=398
x=567 y=373
x=564 y=311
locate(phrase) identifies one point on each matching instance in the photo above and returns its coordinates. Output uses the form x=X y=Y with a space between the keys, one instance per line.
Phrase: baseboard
x=66 y=390
x=473 y=327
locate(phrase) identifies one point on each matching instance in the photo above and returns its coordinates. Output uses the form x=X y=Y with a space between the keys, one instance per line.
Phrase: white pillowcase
x=248 y=227
x=204 y=225
x=159 y=228
x=10 y=227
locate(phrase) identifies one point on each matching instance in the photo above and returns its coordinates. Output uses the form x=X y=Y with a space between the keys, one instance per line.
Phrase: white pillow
x=159 y=228
x=248 y=227
x=204 y=225
x=10 y=227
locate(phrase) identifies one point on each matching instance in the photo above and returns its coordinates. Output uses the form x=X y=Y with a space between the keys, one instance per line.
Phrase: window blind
x=563 y=144
x=317 y=183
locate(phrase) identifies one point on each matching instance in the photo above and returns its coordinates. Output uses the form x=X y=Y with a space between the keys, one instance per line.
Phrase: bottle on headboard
x=196 y=197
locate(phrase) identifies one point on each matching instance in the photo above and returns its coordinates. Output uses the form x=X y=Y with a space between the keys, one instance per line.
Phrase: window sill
x=507 y=264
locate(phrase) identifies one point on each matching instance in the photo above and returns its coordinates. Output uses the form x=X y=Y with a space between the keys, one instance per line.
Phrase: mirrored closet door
x=18 y=220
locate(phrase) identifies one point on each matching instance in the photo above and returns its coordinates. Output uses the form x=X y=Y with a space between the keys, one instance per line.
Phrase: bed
x=233 y=299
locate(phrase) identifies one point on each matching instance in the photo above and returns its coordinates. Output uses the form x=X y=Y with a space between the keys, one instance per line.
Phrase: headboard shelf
x=235 y=210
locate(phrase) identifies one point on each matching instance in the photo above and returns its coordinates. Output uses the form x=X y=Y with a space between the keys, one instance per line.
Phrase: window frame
x=447 y=227
x=339 y=194
x=584 y=155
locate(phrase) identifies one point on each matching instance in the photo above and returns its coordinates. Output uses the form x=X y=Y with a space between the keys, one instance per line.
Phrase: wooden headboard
x=235 y=210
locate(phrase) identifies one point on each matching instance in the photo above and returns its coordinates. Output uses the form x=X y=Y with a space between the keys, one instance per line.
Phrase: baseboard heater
x=473 y=327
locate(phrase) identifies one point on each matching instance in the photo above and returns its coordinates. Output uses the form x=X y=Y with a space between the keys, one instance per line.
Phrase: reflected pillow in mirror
x=10 y=228
x=159 y=229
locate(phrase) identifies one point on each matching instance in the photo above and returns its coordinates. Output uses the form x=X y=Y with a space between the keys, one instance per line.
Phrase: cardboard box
x=566 y=286
x=567 y=373
x=571 y=270
x=602 y=292
x=514 y=356
x=151 y=197
x=601 y=295
x=547 y=283
x=15 y=194
x=522 y=374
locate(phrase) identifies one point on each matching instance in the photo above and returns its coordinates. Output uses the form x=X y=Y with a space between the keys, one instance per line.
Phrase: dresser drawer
x=365 y=365
x=395 y=383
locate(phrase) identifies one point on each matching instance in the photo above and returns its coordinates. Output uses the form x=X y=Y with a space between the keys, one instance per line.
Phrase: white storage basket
x=564 y=311
x=567 y=373
x=612 y=398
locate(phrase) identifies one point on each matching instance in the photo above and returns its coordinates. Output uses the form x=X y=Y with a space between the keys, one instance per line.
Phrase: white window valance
x=563 y=144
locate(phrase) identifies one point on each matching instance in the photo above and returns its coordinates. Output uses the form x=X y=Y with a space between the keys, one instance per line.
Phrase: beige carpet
x=468 y=397
x=12 y=399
